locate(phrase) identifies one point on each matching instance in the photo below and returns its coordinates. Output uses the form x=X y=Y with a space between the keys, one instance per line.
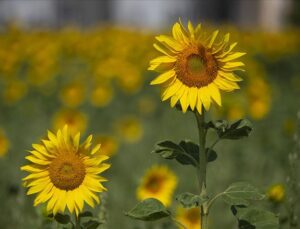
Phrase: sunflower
x=159 y=182
x=190 y=217
x=75 y=120
x=276 y=193
x=4 y=143
x=195 y=68
x=65 y=173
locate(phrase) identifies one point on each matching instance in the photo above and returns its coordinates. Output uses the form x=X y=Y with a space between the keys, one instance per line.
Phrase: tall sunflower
x=159 y=182
x=65 y=173
x=190 y=217
x=194 y=67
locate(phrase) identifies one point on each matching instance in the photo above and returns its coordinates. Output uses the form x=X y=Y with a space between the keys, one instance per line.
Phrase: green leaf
x=190 y=149
x=211 y=155
x=62 y=219
x=149 y=210
x=91 y=224
x=256 y=218
x=239 y=193
x=236 y=130
x=185 y=152
x=189 y=200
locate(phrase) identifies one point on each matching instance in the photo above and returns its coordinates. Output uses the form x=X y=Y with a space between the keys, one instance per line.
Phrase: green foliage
x=255 y=218
x=189 y=200
x=62 y=219
x=211 y=155
x=186 y=152
x=91 y=224
x=239 y=193
x=86 y=214
x=149 y=210
x=236 y=130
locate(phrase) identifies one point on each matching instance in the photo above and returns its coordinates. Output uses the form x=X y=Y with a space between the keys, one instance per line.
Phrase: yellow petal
x=162 y=78
x=163 y=51
x=178 y=34
x=230 y=65
x=70 y=201
x=213 y=38
x=225 y=84
x=37 y=161
x=177 y=96
x=95 y=149
x=230 y=76
x=171 y=90
x=193 y=94
x=199 y=104
x=232 y=56
x=184 y=101
x=215 y=93
x=204 y=95
x=170 y=43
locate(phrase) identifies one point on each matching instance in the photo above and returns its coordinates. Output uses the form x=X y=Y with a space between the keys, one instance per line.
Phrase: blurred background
x=84 y=63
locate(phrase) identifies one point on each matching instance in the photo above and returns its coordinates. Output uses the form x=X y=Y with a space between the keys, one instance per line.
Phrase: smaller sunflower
x=276 y=193
x=65 y=173
x=159 y=182
x=4 y=143
x=190 y=218
x=130 y=129
x=75 y=120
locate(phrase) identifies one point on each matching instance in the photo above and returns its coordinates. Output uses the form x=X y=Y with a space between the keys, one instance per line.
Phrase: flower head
x=276 y=193
x=194 y=68
x=190 y=217
x=65 y=173
x=159 y=182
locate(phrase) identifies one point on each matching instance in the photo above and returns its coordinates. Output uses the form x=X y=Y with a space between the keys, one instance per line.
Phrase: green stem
x=77 y=222
x=202 y=167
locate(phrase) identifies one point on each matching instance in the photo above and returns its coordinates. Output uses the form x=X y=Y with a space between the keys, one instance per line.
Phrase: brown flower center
x=196 y=66
x=154 y=183
x=67 y=171
x=193 y=215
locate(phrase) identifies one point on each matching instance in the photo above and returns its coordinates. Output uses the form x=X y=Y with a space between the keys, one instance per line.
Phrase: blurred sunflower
x=101 y=95
x=276 y=193
x=4 y=143
x=130 y=129
x=73 y=95
x=189 y=217
x=194 y=68
x=159 y=182
x=109 y=144
x=75 y=120
x=14 y=91
x=65 y=173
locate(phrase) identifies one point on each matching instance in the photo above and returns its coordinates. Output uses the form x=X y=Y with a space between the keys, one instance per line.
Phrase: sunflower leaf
x=186 y=152
x=255 y=218
x=236 y=130
x=211 y=155
x=189 y=200
x=148 y=210
x=62 y=219
x=240 y=192
x=86 y=214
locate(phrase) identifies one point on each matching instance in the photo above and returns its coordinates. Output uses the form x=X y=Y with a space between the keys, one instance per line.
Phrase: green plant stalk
x=201 y=170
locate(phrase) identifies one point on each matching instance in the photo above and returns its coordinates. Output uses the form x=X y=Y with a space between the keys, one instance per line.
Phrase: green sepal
x=91 y=224
x=189 y=200
x=240 y=193
x=236 y=130
x=62 y=219
x=149 y=210
x=255 y=218
x=85 y=214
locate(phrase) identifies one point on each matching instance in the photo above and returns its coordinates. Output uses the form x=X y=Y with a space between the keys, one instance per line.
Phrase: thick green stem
x=202 y=167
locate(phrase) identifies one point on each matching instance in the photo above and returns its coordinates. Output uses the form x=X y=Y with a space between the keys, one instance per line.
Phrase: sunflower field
x=56 y=83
